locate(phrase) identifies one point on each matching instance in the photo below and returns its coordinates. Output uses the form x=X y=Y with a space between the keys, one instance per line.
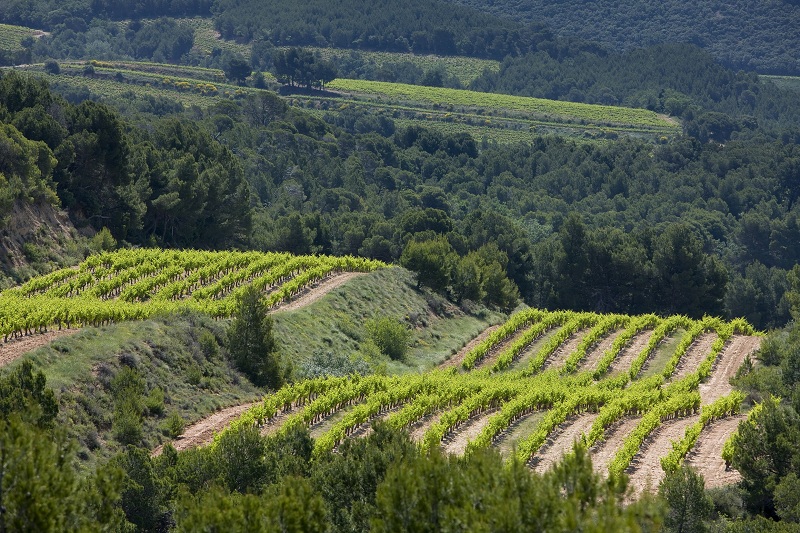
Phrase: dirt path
x=695 y=355
x=624 y=360
x=559 y=357
x=458 y=358
x=732 y=357
x=202 y=431
x=596 y=353
x=560 y=441
x=456 y=444
x=16 y=348
x=647 y=472
x=417 y=431
x=706 y=456
x=603 y=452
x=318 y=291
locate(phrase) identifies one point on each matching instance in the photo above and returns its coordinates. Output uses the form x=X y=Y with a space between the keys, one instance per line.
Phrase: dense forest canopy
x=760 y=36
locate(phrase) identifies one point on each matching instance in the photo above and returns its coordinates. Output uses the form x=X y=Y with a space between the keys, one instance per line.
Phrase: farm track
x=728 y=363
x=458 y=358
x=603 y=452
x=532 y=349
x=202 y=432
x=706 y=456
x=16 y=348
x=456 y=443
x=560 y=356
x=694 y=356
x=499 y=348
x=417 y=431
x=596 y=352
x=561 y=440
x=645 y=470
x=624 y=360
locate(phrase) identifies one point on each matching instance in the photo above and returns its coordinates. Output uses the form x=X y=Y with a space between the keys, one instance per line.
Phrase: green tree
x=390 y=335
x=431 y=260
x=689 y=506
x=251 y=342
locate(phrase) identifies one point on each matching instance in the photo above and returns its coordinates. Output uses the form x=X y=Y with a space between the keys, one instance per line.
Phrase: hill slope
x=741 y=34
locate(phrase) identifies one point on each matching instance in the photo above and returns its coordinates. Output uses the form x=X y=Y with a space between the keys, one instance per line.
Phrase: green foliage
x=689 y=506
x=40 y=489
x=24 y=394
x=128 y=390
x=390 y=335
x=174 y=424
x=251 y=342
x=765 y=452
x=431 y=260
x=103 y=241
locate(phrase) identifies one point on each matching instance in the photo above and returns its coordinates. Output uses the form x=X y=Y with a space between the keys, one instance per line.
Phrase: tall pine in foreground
x=251 y=342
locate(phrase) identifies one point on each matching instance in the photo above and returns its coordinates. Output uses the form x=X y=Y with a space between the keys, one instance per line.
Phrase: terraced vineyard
x=494 y=117
x=11 y=36
x=136 y=284
x=542 y=380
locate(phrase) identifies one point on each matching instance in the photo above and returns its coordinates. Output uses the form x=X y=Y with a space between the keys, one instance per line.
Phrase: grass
x=335 y=323
x=176 y=354
x=789 y=83
x=518 y=431
x=663 y=352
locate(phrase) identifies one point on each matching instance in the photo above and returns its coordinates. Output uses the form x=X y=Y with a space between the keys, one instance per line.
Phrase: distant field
x=490 y=117
x=791 y=83
x=11 y=36
x=552 y=110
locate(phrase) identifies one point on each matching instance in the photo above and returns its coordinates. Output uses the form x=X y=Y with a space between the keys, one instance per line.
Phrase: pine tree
x=251 y=342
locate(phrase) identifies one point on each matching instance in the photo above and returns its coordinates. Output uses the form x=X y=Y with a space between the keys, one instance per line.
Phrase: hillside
x=740 y=34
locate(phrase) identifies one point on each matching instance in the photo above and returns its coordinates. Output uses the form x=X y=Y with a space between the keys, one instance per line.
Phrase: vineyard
x=560 y=376
x=11 y=36
x=495 y=117
x=137 y=284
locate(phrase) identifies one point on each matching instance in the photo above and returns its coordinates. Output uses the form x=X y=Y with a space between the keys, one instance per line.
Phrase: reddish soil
x=458 y=358
x=603 y=452
x=728 y=363
x=646 y=466
x=559 y=357
x=16 y=348
x=417 y=431
x=706 y=456
x=625 y=358
x=456 y=444
x=596 y=353
x=202 y=432
x=694 y=356
x=561 y=440
x=316 y=292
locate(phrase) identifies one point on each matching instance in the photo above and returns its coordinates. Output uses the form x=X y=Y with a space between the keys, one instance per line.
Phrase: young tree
x=688 y=504
x=251 y=342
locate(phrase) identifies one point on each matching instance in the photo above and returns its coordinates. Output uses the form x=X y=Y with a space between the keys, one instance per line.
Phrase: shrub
x=390 y=335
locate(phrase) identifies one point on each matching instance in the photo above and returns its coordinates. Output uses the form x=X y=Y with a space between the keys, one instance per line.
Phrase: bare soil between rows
x=16 y=348
x=561 y=441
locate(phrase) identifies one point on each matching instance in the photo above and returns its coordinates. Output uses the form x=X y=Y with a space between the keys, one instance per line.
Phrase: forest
x=661 y=232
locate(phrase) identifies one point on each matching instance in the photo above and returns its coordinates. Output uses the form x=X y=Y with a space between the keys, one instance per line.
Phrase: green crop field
x=11 y=36
x=136 y=284
x=556 y=111
x=791 y=83
x=585 y=370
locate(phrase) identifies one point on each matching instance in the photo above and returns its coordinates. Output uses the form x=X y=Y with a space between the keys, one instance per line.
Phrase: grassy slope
x=170 y=354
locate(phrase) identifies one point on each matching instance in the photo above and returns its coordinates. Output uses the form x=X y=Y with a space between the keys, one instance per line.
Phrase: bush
x=390 y=335
x=51 y=66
